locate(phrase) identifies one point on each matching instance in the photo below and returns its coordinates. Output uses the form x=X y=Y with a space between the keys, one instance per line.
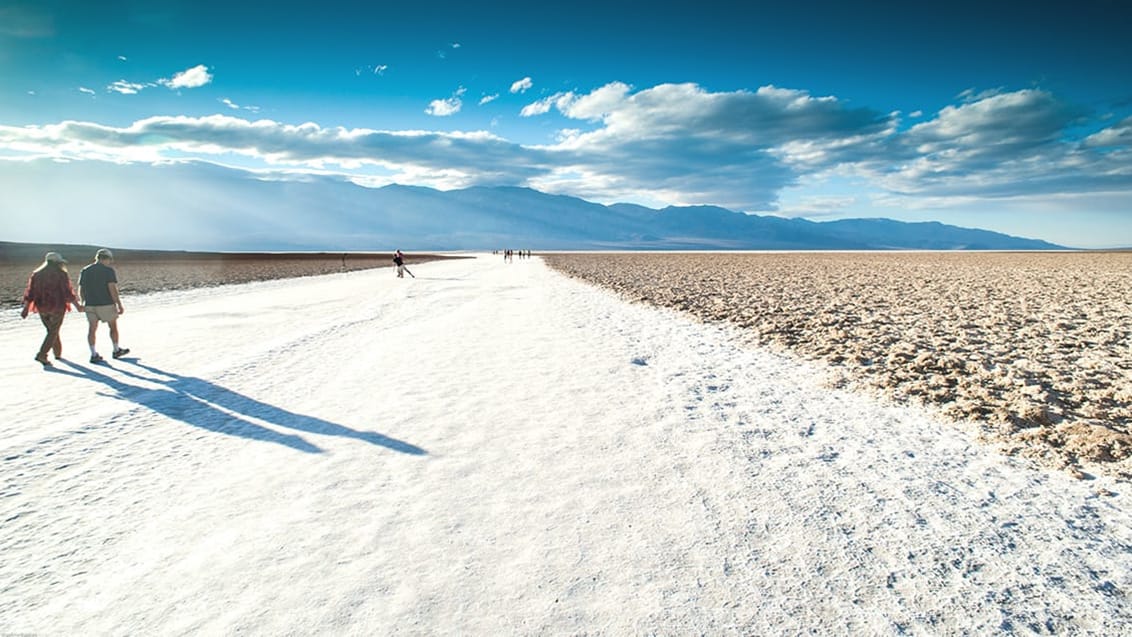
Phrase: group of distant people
x=509 y=255
x=49 y=293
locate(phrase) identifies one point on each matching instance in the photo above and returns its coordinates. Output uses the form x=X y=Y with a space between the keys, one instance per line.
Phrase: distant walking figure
x=98 y=286
x=399 y=260
x=49 y=293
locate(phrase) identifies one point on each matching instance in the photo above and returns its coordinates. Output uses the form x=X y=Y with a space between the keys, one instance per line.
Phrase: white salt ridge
x=494 y=448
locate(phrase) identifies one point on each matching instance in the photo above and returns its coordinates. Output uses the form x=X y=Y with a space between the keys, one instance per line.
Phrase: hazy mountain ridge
x=203 y=206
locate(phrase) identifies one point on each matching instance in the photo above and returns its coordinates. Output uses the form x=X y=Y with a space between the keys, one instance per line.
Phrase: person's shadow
x=204 y=404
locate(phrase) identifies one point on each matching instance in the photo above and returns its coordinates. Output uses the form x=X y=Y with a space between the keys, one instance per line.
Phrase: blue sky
x=1007 y=116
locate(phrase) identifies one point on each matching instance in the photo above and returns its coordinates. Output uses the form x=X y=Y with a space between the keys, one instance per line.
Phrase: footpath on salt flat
x=493 y=448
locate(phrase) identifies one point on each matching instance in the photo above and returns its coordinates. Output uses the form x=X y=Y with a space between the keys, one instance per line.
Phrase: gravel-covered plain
x=1034 y=348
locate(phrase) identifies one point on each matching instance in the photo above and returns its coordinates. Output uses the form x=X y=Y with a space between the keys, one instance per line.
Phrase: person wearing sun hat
x=49 y=294
x=98 y=286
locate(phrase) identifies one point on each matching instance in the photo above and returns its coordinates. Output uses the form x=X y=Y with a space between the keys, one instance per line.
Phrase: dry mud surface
x=1034 y=348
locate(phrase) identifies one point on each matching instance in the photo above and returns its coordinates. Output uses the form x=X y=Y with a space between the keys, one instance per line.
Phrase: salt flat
x=494 y=448
x=1034 y=349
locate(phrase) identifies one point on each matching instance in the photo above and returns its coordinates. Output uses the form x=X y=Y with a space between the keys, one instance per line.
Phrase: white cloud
x=443 y=53
x=1113 y=136
x=446 y=107
x=1027 y=117
x=194 y=77
x=122 y=58
x=995 y=144
x=561 y=101
x=126 y=88
x=540 y=107
x=677 y=143
x=427 y=158
x=599 y=103
x=234 y=106
x=488 y=99
x=731 y=149
x=521 y=86
x=379 y=69
x=83 y=89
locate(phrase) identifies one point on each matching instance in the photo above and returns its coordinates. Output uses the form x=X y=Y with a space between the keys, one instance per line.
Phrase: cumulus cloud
x=541 y=107
x=741 y=149
x=603 y=101
x=438 y=159
x=1006 y=122
x=88 y=91
x=675 y=143
x=448 y=106
x=521 y=86
x=194 y=77
x=444 y=107
x=999 y=144
x=1119 y=135
x=487 y=99
x=724 y=148
x=189 y=78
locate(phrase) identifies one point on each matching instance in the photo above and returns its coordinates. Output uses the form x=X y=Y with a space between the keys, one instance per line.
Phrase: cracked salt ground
x=481 y=450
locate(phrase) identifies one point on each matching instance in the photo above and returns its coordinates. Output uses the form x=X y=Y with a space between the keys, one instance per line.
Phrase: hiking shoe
x=121 y=351
x=96 y=358
x=42 y=360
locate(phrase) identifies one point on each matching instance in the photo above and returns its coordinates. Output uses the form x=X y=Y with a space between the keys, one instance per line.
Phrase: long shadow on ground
x=204 y=404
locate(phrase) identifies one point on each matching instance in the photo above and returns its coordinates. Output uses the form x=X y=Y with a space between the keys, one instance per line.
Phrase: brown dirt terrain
x=1033 y=347
x=141 y=271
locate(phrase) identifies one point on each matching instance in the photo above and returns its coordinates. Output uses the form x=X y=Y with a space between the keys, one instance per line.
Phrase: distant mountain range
x=197 y=206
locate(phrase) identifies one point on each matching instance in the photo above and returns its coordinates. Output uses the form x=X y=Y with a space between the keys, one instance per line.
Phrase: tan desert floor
x=1033 y=348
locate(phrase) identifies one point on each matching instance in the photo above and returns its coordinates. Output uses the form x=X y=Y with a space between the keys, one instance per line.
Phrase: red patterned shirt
x=49 y=290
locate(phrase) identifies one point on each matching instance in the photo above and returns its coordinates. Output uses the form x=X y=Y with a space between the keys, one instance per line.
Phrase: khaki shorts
x=104 y=313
